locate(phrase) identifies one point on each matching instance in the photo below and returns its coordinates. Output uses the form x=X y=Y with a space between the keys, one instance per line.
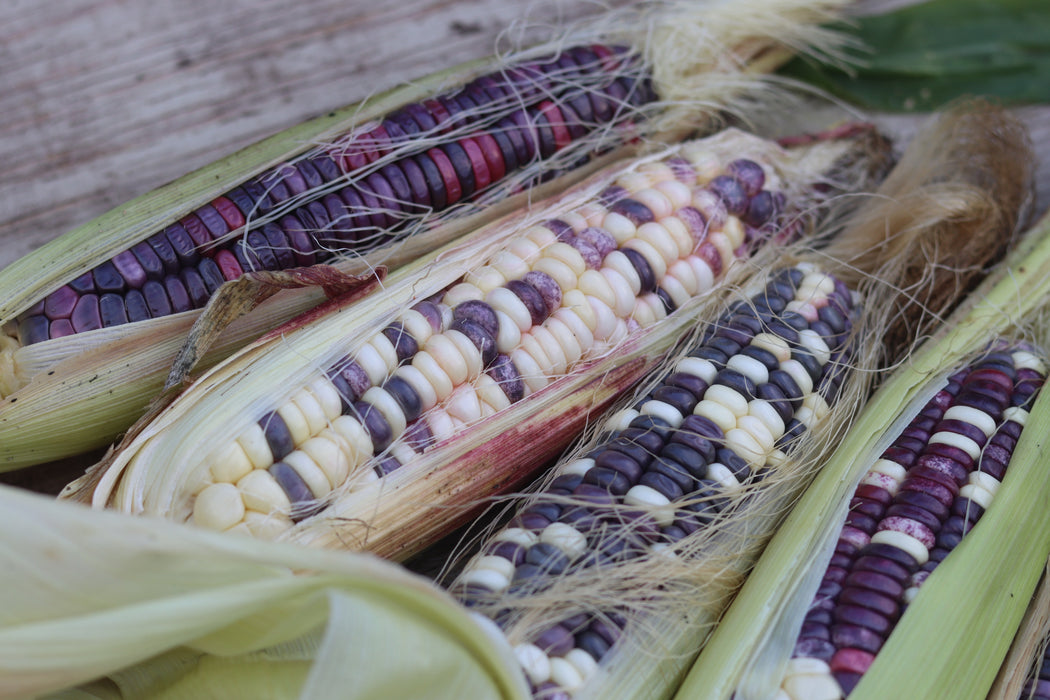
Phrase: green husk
x=190 y=614
x=975 y=600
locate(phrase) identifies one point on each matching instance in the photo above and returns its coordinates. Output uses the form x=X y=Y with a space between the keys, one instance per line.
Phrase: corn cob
x=729 y=412
x=926 y=491
x=553 y=298
x=386 y=169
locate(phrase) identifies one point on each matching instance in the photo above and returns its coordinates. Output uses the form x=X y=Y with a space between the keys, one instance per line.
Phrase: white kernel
x=577 y=302
x=490 y=393
x=310 y=472
x=807 y=666
x=312 y=410
x=420 y=384
x=580 y=331
x=400 y=451
x=386 y=350
x=583 y=662
x=525 y=249
x=295 y=421
x=616 y=260
x=708 y=166
x=329 y=455
x=817 y=404
x=733 y=229
x=890 y=468
x=804 y=309
x=534 y=662
x=685 y=244
x=746 y=445
x=697 y=367
x=440 y=424
x=487 y=578
x=464 y=291
x=495 y=563
x=468 y=350
x=909 y=594
x=978 y=494
x=621 y=420
x=820 y=281
x=658 y=171
x=903 y=542
x=327 y=396
x=714 y=411
x=812 y=687
x=261 y=492
x=777 y=459
x=654 y=502
x=633 y=181
x=728 y=397
x=502 y=299
x=464 y=404
x=540 y=235
x=509 y=265
x=1016 y=414
x=651 y=254
x=764 y=411
x=681 y=271
x=388 y=407
x=486 y=277
x=560 y=360
x=593 y=213
x=956 y=440
x=676 y=290
x=218 y=507
x=229 y=463
x=267 y=526
x=882 y=481
x=975 y=417
x=797 y=372
x=576 y=221
x=749 y=367
x=564 y=275
x=356 y=436
x=621 y=287
x=597 y=285
x=806 y=416
x=372 y=363
x=758 y=430
x=664 y=411
x=253 y=442
x=705 y=276
x=604 y=319
x=446 y=353
x=984 y=480
x=565 y=253
x=565 y=338
x=642 y=313
x=812 y=341
x=566 y=538
x=619 y=226
x=577 y=466
x=508 y=335
x=719 y=472
x=659 y=203
x=517 y=535
x=774 y=344
x=565 y=675
x=677 y=192
x=416 y=325
x=1026 y=360
x=532 y=346
x=531 y=373
x=724 y=247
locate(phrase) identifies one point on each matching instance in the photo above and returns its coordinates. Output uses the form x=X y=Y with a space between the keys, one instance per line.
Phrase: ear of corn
x=280 y=204
x=974 y=600
x=412 y=382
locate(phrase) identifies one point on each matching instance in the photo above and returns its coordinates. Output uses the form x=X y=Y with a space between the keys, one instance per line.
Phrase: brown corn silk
x=94 y=384
x=671 y=603
x=969 y=603
x=161 y=470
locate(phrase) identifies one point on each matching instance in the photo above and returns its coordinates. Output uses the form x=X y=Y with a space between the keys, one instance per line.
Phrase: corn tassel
x=279 y=204
x=974 y=601
x=609 y=261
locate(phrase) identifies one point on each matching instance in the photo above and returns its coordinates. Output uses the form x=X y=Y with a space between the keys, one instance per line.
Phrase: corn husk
x=189 y=614
x=702 y=55
x=160 y=470
x=973 y=603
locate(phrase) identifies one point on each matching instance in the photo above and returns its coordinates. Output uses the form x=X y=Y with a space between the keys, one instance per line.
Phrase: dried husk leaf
x=738 y=43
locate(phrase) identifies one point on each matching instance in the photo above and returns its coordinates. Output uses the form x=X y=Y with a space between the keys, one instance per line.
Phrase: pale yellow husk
x=170 y=612
x=706 y=55
x=957 y=631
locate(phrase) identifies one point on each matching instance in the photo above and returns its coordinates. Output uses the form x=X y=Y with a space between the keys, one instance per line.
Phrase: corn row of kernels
x=914 y=505
x=560 y=292
x=669 y=466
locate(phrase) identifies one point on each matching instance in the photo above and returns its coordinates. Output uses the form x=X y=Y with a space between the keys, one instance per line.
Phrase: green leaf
x=923 y=56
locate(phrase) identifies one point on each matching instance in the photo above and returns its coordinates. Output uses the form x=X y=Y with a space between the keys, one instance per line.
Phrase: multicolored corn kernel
x=668 y=466
x=560 y=292
x=926 y=491
x=360 y=191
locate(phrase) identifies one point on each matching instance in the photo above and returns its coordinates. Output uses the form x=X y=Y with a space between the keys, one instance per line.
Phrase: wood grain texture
x=103 y=100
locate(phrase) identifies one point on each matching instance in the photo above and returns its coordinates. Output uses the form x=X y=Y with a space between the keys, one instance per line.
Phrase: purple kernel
x=60 y=303
x=547 y=287
x=128 y=266
x=749 y=174
x=555 y=641
x=478 y=312
x=111 y=310
x=862 y=617
x=633 y=210
x=506 y=375
x=731 y=192
x=85 y=316
x=873 y=581
x=813 y=648
x=531 y=298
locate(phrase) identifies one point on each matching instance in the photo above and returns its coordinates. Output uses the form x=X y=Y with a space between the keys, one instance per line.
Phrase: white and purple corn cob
x=559 y=292
x=914 y=505
x=357 y=193
x=728 y=412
